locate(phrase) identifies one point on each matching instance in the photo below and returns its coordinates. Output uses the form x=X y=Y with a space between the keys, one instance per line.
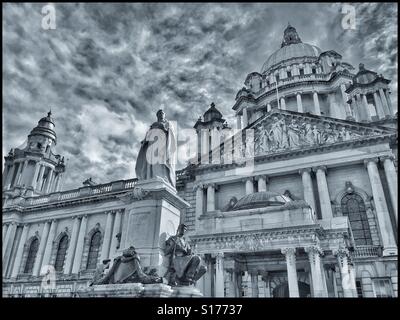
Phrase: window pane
x=94 y=250
x=30 y=261
x=61 y=252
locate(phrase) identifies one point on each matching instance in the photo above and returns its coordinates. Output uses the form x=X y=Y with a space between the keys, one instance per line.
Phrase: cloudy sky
x=107 y=68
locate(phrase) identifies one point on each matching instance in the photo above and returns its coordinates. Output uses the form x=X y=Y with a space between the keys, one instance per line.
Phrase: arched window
x=61 y=251
x=353 y=206
x=94 y=250
x=30 y=261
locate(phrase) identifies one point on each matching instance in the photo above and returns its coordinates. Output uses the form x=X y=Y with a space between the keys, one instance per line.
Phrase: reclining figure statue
x=126 y=269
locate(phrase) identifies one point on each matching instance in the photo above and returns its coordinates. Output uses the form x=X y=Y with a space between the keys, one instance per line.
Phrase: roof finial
x=49 y=113
x=212 y=104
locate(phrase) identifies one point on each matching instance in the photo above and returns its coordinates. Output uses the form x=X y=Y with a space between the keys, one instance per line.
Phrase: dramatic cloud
x=107 y=68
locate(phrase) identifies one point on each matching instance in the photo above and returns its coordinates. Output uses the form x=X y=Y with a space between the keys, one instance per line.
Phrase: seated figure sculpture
x=185 y=268
x=127 y=269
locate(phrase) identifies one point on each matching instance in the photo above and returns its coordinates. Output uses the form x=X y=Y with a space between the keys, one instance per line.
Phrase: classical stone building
x=310 y=212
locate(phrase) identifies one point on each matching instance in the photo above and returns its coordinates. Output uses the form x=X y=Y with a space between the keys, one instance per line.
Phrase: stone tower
x=208 y=129
x=35 y=168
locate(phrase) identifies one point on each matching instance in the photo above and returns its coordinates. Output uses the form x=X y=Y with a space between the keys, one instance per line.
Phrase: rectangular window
x=359 y=288
x=314 y=71
x=277 y=78
x=382 y=287
x=301 y=72
x=289 y=74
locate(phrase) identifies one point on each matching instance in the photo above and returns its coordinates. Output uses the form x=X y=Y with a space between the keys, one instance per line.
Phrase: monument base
x=139 y=290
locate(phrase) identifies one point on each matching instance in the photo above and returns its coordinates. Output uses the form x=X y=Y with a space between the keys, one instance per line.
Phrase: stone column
x=19 y=173
x=232 y=283
x=290 y=254
x=345 y=98
x=8 y=243
x=5 y=173
x=49 y=182
x=299 y=102
x=72 y=245
x=283 y=103
x=249 y=186
x=20 y=251
x=199 y=204
x=42 y=246
x=40 y=179
x=391 y=178
x=254 y=283
x=5 y=226
x=384 y=103
x=219 y=275
x=323 y=192
x=105 y=250
x=245 y=118
x=366 y=106
x=360 y=109
x=265 y=278
x=49 y=247
x=389 y=102
x=79 y=246
x=316 y=104
x=116 y=230
x=342 y=256
x=379 y=107
x=210 y=197
x=352 y=274
x=316 y=271
x=308 y=190
x=262 y=183
x=238 y=122
x=208 y=277
x=382 y=212
x=58 y=182
x=9 y=177
x=35 y=175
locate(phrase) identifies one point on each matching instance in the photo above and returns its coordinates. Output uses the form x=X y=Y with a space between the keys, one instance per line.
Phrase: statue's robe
x=146 y=165
x=125 y=269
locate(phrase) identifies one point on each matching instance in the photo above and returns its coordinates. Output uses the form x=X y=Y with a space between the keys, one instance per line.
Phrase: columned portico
x=382 y=212
x=323 y=192
x=391 y=178
x=290 y=254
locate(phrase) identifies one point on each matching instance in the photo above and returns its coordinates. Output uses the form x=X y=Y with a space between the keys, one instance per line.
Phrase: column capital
x=387 y=157
x=321 y=168
x=213 y=185
x=341 y=252
x=264 y=176
x=309 y=170
x=371 y=160
x=198 y=186
x=247 y=179
x=315 y=249
x=288 y=251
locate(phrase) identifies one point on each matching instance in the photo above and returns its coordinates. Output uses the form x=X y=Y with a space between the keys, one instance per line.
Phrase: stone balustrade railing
x=366 y=251
x=84 y=191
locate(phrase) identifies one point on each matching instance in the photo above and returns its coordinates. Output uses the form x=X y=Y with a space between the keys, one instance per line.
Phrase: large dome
x=295 y=50
x=261 y=200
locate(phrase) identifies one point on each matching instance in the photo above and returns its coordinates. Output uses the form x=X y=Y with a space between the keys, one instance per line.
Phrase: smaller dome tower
x=35 y=167
x=209 y=134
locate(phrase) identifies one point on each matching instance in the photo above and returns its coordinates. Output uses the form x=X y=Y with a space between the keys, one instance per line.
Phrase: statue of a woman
x=156 y=156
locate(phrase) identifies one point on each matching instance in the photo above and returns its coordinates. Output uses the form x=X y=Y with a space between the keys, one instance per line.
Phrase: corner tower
x=35 y=168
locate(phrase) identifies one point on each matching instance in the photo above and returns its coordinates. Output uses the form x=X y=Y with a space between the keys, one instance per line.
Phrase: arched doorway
x=282 y=290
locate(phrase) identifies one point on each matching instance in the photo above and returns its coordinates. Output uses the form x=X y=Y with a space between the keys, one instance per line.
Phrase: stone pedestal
x=153 y=214
x=138 y=290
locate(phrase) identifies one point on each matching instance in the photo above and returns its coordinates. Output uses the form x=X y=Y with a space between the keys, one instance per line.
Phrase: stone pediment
x=282 y=130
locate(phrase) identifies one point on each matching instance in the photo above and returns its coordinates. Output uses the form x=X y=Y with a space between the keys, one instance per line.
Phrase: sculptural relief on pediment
x=279 y=132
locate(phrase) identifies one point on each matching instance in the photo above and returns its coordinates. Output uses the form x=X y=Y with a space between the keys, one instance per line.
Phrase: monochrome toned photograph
x=189 y=150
